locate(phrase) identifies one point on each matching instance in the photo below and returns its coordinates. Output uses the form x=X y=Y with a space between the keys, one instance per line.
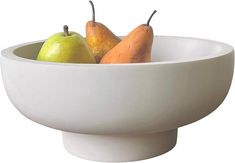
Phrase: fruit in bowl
x=99 y=38
x=67 y=47
x=100 y=45
x=134 y=48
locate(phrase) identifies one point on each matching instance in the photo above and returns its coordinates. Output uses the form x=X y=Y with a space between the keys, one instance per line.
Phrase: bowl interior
x=165 y=48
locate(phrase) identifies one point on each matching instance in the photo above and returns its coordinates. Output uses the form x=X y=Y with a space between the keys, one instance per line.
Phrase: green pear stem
x=66 y=30
x=150 y=17
x=93 y=11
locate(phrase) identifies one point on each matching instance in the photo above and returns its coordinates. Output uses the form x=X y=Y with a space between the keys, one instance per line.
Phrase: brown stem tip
x=150 y=17
x=93 y=11
x=66 y=30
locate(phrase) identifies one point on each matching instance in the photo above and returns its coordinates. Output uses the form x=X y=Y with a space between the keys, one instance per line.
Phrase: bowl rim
x=226 y=49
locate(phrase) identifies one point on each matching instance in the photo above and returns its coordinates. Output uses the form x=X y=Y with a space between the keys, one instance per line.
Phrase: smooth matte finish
x=190 y=80
x=127 y=147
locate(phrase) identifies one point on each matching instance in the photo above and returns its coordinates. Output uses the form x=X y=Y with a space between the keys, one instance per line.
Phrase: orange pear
x=134 y=48
x=99 y=38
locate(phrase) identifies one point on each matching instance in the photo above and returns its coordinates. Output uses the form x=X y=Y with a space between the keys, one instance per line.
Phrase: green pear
x=68 y=47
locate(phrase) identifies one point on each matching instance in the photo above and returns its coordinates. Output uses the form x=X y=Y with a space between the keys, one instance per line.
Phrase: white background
x=211 y=139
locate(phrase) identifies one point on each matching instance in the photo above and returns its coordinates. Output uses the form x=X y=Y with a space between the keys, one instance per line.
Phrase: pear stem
x=93 y=11
x=150 y=17
x=66 y=30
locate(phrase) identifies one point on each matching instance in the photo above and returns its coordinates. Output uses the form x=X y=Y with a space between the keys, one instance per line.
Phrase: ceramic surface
x=188 y=79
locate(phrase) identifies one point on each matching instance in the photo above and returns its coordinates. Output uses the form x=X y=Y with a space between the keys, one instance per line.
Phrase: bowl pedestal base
x=120 y=147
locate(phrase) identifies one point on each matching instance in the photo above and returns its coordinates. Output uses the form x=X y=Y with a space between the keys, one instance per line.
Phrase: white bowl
x=121 y=112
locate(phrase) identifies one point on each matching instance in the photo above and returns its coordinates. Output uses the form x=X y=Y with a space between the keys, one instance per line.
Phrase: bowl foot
x=119 y=148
